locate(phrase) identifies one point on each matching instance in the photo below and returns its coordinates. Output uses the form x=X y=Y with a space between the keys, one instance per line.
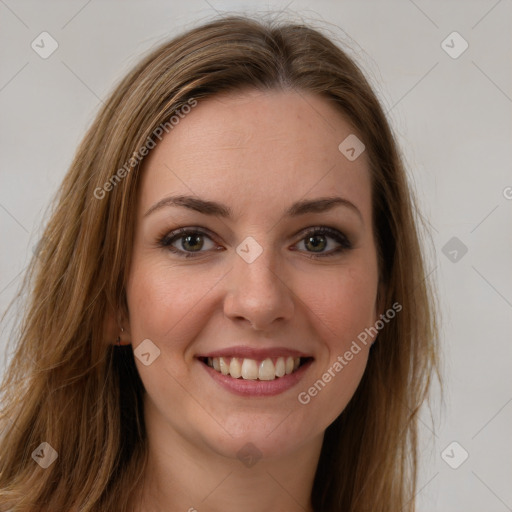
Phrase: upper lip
x=254 y=353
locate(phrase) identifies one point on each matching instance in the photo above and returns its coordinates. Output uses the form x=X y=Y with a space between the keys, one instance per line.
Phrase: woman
x=229 y=308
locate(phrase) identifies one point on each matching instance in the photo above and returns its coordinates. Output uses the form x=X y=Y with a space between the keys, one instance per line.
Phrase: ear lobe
x=116 y=326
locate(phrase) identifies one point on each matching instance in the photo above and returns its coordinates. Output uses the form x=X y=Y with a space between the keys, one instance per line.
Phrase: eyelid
x=327 y=230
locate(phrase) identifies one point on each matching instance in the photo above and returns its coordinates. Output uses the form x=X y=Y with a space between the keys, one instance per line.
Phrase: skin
x=257 y=153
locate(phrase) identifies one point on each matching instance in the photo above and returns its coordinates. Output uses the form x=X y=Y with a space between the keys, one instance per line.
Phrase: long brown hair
x=70 y=387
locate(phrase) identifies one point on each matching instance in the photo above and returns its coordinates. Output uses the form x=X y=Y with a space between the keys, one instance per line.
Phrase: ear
x=116 y=325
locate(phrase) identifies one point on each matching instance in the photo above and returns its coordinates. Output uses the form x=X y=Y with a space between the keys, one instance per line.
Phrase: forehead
x=257 y=149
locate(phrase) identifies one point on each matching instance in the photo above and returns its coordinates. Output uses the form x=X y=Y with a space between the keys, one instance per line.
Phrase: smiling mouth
x=252 y=369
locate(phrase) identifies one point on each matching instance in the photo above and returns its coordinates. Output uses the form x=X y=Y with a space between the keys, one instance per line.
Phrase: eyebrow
x=319 y=205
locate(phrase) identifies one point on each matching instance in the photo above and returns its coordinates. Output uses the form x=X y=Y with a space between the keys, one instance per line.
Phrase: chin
x=260 y=436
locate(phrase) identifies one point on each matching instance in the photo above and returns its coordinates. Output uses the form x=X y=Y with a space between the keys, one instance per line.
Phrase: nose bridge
x=257 y=267
x=257 y=292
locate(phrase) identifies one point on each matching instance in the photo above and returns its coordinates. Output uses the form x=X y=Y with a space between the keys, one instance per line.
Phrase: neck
x=185 y=476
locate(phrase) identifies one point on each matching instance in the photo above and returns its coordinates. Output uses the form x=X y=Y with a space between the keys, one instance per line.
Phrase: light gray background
x=453 y=120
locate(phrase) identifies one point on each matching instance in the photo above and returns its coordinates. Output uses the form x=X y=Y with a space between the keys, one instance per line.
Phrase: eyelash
x=167 y=239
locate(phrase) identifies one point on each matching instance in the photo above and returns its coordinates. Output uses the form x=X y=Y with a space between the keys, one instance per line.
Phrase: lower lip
x=245 y=387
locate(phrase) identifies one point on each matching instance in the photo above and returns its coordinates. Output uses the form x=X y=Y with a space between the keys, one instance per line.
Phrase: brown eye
x=192 y=242
x=316 y=243
x=185 y=242
x=317 y=240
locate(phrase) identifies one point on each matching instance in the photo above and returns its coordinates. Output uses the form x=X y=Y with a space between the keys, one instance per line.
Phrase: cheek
x=343 y=301
x=161 y=300
x=343 y=306
x=164 y=304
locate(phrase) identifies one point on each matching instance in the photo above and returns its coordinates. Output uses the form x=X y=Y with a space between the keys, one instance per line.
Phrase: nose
x=258 y=293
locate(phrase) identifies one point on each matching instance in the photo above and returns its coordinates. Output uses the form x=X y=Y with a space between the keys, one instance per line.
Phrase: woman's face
x=250 y=280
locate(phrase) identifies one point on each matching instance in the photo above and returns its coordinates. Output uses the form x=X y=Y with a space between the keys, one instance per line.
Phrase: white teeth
x=250 y=369
x=235 y=370
x=224 y=367
x=289 y=365
x=280 y=367
x=267 y=370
